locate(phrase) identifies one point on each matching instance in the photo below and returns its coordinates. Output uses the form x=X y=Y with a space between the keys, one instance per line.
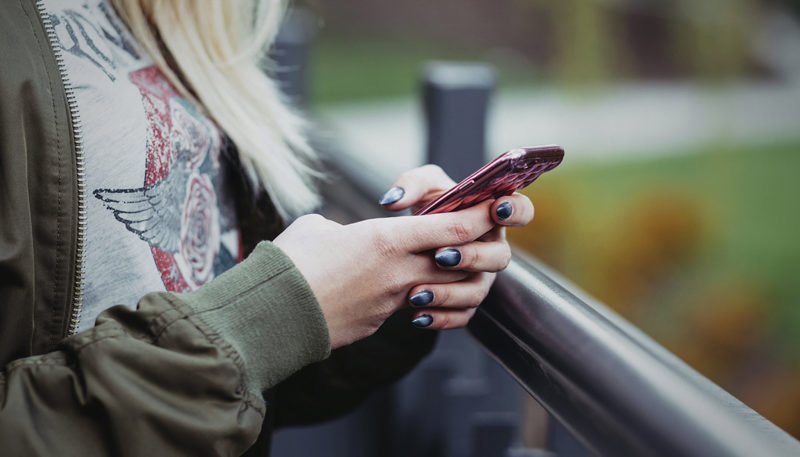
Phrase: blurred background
x=677 y=203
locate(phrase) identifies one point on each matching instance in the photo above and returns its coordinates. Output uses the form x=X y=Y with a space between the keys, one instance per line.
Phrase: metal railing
x=616 y=390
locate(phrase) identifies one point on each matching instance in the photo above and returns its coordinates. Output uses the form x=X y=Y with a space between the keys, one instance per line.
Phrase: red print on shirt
x=176 y=211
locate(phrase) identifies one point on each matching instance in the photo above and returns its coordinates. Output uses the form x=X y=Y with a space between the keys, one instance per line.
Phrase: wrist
x=266 y=310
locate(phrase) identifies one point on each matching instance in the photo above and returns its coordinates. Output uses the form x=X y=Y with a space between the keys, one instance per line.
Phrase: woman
x=121 y=184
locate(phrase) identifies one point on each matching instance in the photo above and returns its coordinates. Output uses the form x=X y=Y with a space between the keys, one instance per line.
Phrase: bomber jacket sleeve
x=181 y=375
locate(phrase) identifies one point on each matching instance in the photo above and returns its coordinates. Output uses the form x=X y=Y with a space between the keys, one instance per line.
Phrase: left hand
x=444 y=305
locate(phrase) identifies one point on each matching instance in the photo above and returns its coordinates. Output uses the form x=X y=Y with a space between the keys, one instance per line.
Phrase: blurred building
x=587 y=40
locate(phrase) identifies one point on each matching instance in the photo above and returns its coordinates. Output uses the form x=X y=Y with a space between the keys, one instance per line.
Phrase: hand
x=362 y=273
x=452 y=305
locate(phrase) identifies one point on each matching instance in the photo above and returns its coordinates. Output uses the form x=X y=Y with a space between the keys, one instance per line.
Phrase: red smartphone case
x=511 y=171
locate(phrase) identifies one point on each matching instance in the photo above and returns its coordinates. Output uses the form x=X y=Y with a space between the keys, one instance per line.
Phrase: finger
x=414 y=186
x=498 y=233
x=431 y=231
x=468 y=293
x=515 y=210
x=406 y=272
x=428 y=273
x=491 y=256
x=443 y=318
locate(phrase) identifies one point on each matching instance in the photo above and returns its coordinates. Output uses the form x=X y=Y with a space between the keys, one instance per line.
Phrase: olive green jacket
x=202 y=373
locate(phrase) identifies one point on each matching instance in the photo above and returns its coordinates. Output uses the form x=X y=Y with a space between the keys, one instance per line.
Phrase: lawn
x=349 y=69
x=746 y=199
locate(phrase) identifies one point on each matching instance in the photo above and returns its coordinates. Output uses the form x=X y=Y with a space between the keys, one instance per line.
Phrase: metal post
x=288 y=58
x=492 y=434
x=480 y=408
x=456 y=97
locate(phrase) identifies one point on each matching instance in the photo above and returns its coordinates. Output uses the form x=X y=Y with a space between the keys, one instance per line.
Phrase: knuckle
x=443 y=321
x=481 y=297
x=304 y=223
x=442 y=297
x=506 y=256
x=391 y=284
x=469 y=257
x=307 y=219
x=478 y=298
x=470 y=314
x=480 y=293
x=460 y=232
x=385 y=245
x=314 y=220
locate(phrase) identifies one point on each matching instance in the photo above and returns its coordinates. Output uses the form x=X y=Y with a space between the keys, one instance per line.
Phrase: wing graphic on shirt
x=153 y=213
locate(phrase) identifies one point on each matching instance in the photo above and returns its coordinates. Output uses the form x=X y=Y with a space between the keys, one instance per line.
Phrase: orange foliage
x=545 y=236
x=643 y=266
x=721 y=329
x=655 y=238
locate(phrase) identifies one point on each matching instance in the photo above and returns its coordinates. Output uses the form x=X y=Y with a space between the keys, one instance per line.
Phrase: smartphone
x=508 y=173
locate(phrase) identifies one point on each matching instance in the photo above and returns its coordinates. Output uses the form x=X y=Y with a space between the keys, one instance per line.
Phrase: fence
x=603 y=382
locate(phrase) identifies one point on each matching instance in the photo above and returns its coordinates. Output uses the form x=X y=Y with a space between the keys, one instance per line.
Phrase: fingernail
x=392 y=195
x=421 y=298
x=422 y=321
x=504 y=210
x=448 y=257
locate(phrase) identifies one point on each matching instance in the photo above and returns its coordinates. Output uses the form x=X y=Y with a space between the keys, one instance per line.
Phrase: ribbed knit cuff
x=266 y=310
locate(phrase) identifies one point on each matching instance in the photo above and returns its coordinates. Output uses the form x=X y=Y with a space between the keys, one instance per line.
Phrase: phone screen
x=511 y=171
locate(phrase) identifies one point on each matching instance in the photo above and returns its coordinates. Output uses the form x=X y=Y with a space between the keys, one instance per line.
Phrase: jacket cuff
x=265 y=309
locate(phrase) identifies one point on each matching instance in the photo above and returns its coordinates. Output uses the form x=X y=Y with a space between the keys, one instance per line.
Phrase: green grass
x=349 y=69
x=749 y=202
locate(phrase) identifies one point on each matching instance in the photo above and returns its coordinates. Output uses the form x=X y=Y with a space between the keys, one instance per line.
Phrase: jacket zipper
x=77 y=135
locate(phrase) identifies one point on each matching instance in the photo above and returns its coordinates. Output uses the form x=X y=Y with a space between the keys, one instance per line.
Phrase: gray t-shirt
x=160 y=214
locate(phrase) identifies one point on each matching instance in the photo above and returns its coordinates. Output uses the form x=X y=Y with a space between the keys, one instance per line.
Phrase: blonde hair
x=212 y=51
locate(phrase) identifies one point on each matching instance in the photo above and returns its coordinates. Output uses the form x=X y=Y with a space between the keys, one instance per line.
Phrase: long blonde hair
x=212 y=51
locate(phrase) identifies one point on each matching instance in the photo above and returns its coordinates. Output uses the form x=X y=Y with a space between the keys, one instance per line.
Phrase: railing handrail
x=618 y=391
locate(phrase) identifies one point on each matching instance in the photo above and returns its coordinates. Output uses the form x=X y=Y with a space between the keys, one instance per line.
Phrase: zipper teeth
x=77 y=133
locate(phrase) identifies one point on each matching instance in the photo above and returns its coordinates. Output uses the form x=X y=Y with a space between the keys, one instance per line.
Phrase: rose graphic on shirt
x=199 y=239
x=176 y=211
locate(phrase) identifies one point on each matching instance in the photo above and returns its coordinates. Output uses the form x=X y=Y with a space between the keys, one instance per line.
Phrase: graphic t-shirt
x=159 y=209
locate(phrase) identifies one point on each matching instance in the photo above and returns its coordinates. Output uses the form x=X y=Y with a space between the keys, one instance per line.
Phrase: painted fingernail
x=422 y=321
x=448 y=257
x=392 y=195
x=421 y=298
x=504 y=210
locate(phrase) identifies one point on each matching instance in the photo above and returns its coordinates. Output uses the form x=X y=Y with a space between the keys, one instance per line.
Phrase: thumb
x=432 y=231
x=416 y=186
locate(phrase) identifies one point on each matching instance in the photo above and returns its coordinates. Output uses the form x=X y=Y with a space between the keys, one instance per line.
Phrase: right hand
x=361 y=273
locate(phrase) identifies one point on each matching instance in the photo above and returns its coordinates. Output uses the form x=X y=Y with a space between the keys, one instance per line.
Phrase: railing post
x=481 y=410
x=288 y=58
x=492 y=434
x=456 y=98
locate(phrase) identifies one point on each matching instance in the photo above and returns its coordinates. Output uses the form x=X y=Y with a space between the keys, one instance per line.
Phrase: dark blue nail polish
x=504 y=210
x=448 y=257
x=422 y=321
x=392 y=195
x=421 y=298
